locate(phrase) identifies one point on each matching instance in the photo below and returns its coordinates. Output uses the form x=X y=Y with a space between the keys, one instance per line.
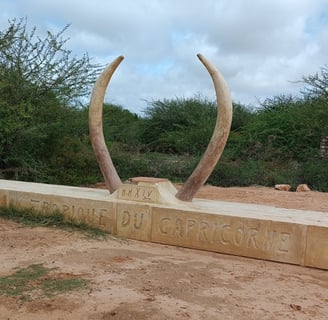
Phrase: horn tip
x=200 y=56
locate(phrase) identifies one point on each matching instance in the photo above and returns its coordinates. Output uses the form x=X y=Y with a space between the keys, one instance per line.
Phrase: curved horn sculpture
x=219 y=137
x=104 y=160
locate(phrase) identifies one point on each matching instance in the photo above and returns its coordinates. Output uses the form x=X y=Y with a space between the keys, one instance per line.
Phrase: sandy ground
x=138 y=280
x=316 y=201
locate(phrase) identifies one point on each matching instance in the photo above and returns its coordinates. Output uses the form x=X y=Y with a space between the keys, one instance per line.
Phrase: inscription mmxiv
x=226 y=234
x=138 y=193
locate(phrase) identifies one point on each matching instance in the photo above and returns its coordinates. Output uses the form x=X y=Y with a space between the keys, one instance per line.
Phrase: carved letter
x=225 y=228
x=190 y=225
x=125 y=218
x=178 y=228
x=269 y=239
x=136 y=224
x=162 y=225
x=238 y=236
x=203 y=227
x=251 y=239
x=284 y=239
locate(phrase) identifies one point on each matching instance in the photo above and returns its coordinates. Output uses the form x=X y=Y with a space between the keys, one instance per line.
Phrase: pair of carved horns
x=210 y=157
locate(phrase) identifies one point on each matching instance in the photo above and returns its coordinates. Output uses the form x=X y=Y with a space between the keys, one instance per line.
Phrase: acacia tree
x=40 y=81
x=44 y=62
x=317 y=84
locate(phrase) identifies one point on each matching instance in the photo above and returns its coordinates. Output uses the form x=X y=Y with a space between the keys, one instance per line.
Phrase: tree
x=25 y=58
x=241 y=116
x=121 y=126
x=318 y=83
x=286 y=128
x=39 y=82
x=179 y=126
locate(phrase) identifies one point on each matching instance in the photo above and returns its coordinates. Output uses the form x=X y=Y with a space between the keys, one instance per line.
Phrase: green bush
x=173 y=167
x=122 y=127
x=285 y=128
x=179 y=126
x=314 y=172
x=40 y=83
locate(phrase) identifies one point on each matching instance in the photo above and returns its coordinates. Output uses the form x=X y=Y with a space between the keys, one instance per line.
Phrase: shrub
x=285 y=128
x=179 y=126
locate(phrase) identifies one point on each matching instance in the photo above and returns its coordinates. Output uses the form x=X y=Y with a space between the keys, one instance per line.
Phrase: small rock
x=303 y=188
x=295 y=307
x=282 y=187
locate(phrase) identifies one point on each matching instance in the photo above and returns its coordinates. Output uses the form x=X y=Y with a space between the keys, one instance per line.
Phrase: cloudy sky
x=261 y=46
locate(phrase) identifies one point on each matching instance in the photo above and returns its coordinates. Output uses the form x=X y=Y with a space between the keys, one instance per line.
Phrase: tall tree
x=39 y=81
x=317 y=84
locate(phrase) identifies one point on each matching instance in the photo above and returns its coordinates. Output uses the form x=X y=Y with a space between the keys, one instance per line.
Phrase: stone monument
x=151 y=209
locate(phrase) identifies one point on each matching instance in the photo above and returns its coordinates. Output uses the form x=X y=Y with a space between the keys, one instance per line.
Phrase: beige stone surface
x=282 y=187
x=134 y=221
x=316 y=254
x=95 y=212
x=147 y=179
x=256 y=238
x=144 y=193
x=148 y=190
x=52 y=189
x=3 y=197
x=142 y=210
x=303 y=188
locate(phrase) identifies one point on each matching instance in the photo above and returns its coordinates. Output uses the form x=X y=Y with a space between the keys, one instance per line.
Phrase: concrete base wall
x=146 y=209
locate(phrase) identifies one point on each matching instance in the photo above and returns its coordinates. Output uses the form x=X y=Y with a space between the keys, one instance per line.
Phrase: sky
x=262 y=47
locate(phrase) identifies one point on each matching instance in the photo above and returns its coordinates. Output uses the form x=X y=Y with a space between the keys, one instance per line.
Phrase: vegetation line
x=55 y=219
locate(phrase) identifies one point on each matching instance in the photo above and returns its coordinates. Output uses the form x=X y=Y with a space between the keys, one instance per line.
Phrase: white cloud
x=260 y=46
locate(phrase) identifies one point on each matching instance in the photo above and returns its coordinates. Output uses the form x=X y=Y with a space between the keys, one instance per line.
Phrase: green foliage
x=38 y=78
x=254 y=172
x=317 y=84
x=31 y=66
x=273 y=145
x=241 y=116
x=285 y=128
x=152 y=164
x=314 y=172
x=185 y=126
x=36 y=280
x=179 y=126
x=121 y=127
x=52 y=286
x=20 y=282
x=56 y=219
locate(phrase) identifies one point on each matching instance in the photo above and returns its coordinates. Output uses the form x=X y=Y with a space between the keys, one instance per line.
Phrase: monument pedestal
x=146 y=209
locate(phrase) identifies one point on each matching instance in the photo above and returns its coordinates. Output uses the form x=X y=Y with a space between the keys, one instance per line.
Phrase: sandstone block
x=148 y=190
x=147 y=210
x=303 y=188
x=282 y=187
x=97 y=213
x=3 y=197
x=316 y=254
x=263 y=239
x=134 y=221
